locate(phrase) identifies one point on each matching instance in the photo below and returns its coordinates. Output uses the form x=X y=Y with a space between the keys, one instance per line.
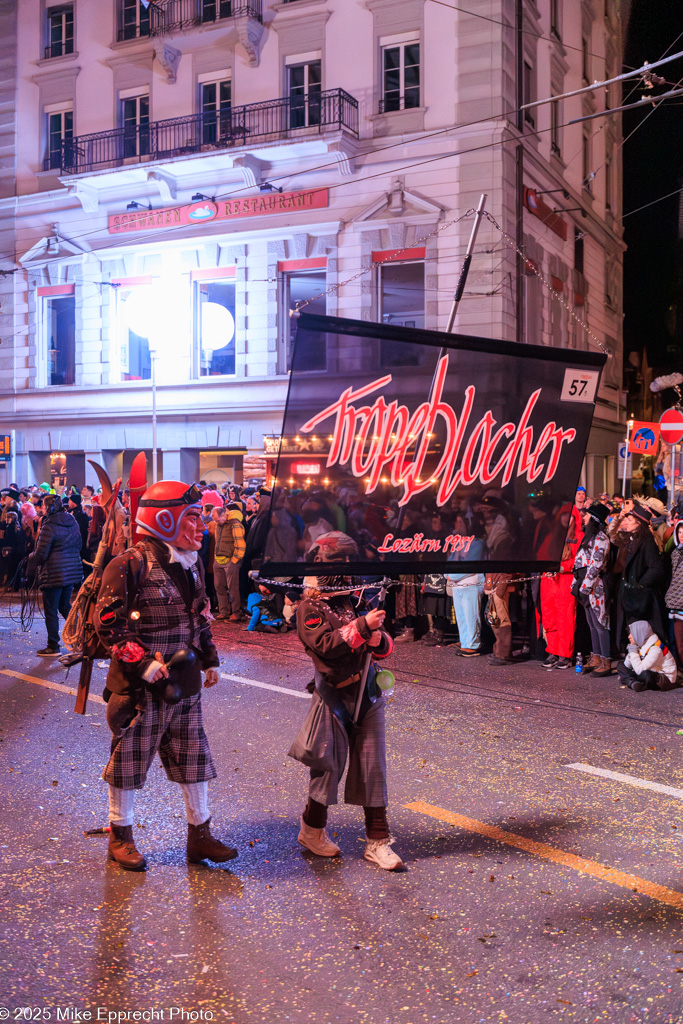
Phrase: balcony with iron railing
x=168 y=16
x=289 y=117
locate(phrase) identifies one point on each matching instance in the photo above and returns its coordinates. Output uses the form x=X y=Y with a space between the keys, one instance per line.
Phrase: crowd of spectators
x=616 y=602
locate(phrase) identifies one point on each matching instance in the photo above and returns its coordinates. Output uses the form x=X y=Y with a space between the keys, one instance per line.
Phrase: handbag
x=490 y=613
x=579 y=577
x=314 y=744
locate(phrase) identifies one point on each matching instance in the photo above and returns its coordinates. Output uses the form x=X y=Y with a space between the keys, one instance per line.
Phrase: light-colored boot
x=317 y=841
x=406 y=637
x=378 y=851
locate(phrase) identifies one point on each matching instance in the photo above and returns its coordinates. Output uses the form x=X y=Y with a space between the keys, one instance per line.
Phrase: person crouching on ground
x=649 y=664
x=338 y=640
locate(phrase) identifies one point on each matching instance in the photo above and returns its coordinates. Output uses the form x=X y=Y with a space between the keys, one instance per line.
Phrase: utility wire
x=402 y=143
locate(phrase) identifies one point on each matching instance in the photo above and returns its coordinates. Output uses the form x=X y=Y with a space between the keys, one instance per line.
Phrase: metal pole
x=629 y=424
x=672 y=473
x=466 y=264
x=154 y=417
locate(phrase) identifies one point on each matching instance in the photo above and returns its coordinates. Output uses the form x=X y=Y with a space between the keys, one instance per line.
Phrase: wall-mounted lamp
x=198 y=197
x=266 y=186
x=132 y=205
x=552 y=191
x=572 y=209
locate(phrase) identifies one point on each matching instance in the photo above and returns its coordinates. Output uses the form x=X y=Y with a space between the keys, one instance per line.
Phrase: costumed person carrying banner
x=151 y=615
x=340 y=726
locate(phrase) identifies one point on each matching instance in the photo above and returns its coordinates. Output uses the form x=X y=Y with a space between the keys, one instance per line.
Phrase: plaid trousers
x=175 y=731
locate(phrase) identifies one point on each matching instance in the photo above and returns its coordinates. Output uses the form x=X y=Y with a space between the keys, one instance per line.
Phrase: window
x=585 y=59
x=401 y=292
x=400 y=76
x=304 y=88
x=608 y=183
x=215 y=302
x=555 y=18
x=304 y=286
x=135 y=359
x=135 y=124
x=214 y=10
x=60 y=130
x=586 y=162
x=60 y=320
x=528 y=92
x=216 y=100
x=60 y=31
x=134 y=19
x=555 y=122
x=578 y=250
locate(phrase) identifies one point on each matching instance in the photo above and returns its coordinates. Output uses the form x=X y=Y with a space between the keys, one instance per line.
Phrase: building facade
x=176 y=176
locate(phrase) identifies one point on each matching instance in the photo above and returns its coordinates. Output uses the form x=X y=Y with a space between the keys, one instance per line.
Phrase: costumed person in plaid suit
x=337 y=639
x=152 y=616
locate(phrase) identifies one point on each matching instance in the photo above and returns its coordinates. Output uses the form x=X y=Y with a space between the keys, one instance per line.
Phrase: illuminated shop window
x=216 y=327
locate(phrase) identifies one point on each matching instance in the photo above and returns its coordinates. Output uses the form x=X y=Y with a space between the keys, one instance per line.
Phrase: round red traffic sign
x=671 y=426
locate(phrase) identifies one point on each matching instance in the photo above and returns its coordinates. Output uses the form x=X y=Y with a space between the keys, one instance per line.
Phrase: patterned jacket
x=147 y=605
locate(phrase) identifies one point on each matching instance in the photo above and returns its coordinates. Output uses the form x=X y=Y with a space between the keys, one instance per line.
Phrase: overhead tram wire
x=422 y=138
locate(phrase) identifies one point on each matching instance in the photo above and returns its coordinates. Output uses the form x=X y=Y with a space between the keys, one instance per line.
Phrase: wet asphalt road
x=476 y=930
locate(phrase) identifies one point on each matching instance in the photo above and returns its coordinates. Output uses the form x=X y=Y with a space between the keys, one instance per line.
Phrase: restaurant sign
x=223 y=209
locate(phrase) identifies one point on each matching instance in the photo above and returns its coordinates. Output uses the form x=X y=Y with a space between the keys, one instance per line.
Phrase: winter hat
x=583 y=489
x=598 y=512
x=640 y=631
x=9 y=492
x=641 y=512
x=45 y=487
x=76 y=498
x=211 y=497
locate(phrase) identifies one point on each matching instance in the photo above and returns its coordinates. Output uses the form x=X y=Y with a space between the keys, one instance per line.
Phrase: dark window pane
x=392 y=58
x=225 y=94
x=209 y=96
x=297 y=77
x=402 y=303
x=307 y=287
x=61 y=340
x=412 y=54
x=314 y=74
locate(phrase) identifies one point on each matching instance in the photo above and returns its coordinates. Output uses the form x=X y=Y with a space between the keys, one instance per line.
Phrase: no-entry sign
x=671 y=426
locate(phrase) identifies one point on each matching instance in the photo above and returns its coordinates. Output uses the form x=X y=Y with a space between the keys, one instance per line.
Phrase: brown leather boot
x=201 y=845
x=122 y=849
x=592 y=663
x=605 y=668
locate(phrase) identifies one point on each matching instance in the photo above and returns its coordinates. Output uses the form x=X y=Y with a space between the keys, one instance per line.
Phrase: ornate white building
x=142 y=147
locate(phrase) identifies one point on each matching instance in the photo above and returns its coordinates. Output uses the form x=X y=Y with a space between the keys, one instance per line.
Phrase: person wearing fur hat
x=649 y=664
x=151 y=615
x=338 y=640
x=590 y=567
x=646 y=570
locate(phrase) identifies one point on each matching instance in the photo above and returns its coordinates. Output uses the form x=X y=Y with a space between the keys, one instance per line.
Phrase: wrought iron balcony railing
x=290 y=117
x=176 y=15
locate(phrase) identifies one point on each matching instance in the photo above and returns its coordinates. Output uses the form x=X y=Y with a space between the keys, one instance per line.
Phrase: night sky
x=653 y=166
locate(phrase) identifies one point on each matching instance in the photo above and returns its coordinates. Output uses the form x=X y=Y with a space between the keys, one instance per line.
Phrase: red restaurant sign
x=223 y=209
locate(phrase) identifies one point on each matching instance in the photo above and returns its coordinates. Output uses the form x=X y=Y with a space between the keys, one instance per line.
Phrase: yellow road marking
x=569 y=860
x=71 y=691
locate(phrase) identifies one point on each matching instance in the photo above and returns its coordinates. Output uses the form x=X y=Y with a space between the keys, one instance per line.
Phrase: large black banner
x=433 y=452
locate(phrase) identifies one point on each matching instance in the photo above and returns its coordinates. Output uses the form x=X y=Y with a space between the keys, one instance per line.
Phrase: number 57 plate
x=580 y=385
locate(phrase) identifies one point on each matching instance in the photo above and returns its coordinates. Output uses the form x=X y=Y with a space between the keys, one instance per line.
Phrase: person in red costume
x=152 y=615
x=558 y=605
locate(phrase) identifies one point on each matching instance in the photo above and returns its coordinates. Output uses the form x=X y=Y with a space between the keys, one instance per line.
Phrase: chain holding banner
x=438 y=452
